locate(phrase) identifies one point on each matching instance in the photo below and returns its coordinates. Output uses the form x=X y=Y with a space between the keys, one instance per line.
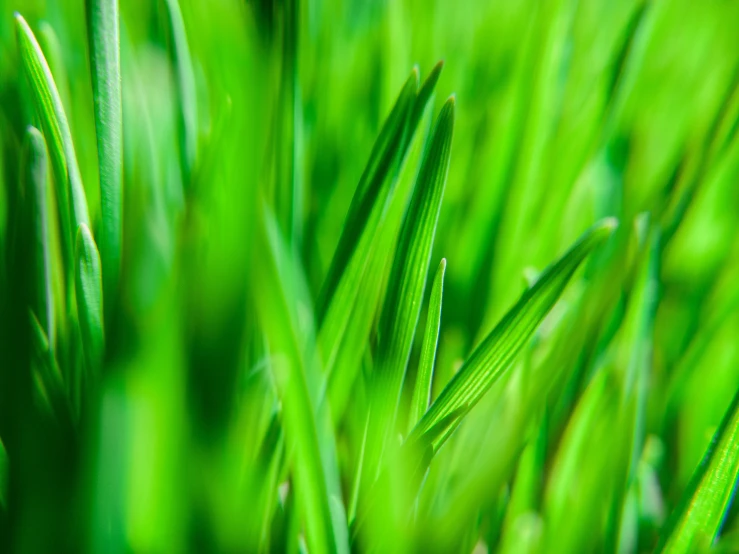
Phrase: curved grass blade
x=381 y=216
x=369 y=191
x=52 y=49
x=422 y=390
x=408 y=281
x=498 y=350
x=306 y=424
x=89 y=288
x=105 y=63
x=35 y=167
x=695 y=522
x=70 y=193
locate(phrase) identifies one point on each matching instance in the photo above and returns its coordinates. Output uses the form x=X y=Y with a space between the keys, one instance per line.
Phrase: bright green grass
x=273 y=277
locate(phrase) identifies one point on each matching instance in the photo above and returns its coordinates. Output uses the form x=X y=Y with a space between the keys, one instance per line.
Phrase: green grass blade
x=694 y=523
x=369 y=190
x=422 y=390
x=105 y=63
x=186 y=89
x=376 y=206
x=89 y=288
x=306 y=424
x=408 y=276
x=35 y=167
x=70 y=193
x=497 y=351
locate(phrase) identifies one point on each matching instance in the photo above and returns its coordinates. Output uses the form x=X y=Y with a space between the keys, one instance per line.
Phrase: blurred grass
x=225 y=414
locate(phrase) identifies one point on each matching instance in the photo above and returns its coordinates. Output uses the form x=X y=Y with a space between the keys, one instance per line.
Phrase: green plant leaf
x=105 y=63
x=89 y=289
x=70 y=192
x=693 y=525
x=306 y=422
x=186 y=89
x=407 y=281
x=370 y=192
x=34 y=166
x=497 y=351
x=371 y=220
x=422 y=390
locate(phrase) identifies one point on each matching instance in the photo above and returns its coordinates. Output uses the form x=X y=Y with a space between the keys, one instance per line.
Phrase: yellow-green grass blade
x=497 y=351
x=35 y=166
x=693 y=525
x=105 y=64
x=70 y=193
x=89 y=290
x=422 y=389
x=307 y=426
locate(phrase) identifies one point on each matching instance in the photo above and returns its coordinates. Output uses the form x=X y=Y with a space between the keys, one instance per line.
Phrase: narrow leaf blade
x=105 y=62
x=698 y=517
x=422 y=390
x=89 y=289
x=497 y=351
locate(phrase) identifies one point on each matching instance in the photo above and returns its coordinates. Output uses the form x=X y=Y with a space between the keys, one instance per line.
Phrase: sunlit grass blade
x=422 y=389
x=694 y=523
x=35 y=166
x=70 y=193
x=406 y=287
x=307 y=427
x=497 y=351
x=186 y=89
x=370 y=190
x=381 y=211
x=89 y=289
x=105 y=63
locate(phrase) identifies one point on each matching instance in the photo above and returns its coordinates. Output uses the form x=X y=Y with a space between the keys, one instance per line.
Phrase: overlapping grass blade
x=422 y=389
x=407 y=281
x=497 y=351
x=70 y=192
x=386 y=158
x=694 y=523
x=105 y=63
x=35 y=166
x=375 y=196
x=186 y=89
x=307 y=426
x=89 y=289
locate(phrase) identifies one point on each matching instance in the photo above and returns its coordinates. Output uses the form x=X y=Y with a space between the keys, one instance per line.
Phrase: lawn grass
x=338 y=276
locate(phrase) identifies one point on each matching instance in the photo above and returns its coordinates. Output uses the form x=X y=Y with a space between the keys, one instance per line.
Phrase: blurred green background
x=567 y=111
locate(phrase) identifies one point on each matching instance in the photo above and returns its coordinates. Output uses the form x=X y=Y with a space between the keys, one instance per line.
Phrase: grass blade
x=373 y=211
x=408 y=280
x=89 y=288
x=422 y=390
x=695 y=522
x=186 y=89
x=369 y=190
x=498 y=350
x=70 y=193
x=105 y=63
x=306 y=424
x=35 y=166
